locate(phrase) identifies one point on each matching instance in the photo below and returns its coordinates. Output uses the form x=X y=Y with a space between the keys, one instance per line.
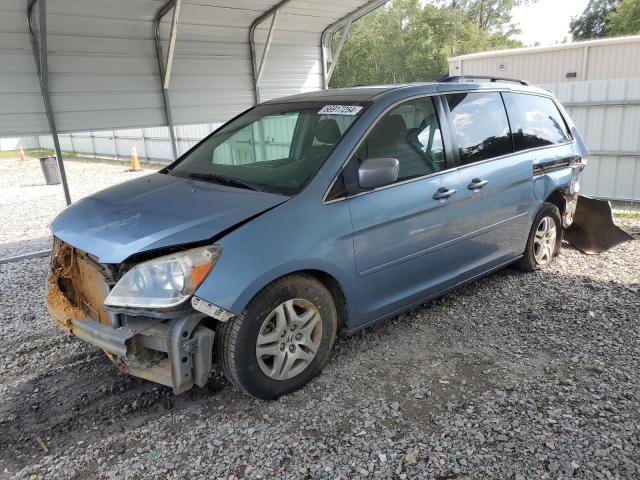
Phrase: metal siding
x=611 y=132
x=614 y=61
x=536 y=67
x=609 y=58
x=104 y=143
x=82 y=143
x=151 y=143
x=46 y=142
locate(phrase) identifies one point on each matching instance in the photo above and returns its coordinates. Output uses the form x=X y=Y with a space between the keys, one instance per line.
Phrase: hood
x=154 y=212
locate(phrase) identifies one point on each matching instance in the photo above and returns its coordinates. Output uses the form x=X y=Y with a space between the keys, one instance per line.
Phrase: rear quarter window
x=535 y=121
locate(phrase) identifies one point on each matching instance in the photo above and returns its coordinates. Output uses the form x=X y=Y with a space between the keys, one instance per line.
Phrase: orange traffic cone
x=22 y=157
x=135 y=163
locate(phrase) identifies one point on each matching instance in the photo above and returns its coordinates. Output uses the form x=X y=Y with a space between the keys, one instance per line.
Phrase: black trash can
x=49 y=166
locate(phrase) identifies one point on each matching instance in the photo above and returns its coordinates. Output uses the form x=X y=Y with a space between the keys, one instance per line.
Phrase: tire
x=279 y=371
x=534 y=257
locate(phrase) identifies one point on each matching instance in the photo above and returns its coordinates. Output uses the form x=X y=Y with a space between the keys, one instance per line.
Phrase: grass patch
x=628 y=215
x=33 y=153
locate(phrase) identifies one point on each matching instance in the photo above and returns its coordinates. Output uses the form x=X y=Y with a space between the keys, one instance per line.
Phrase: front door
x=405 y=234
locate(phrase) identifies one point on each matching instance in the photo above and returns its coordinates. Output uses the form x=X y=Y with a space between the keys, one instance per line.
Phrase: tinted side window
x=480 y=126
x=535 y=121
x=410 y=133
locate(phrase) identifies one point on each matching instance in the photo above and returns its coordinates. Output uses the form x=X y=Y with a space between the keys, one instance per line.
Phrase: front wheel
x=282 y=339
x=544 y=239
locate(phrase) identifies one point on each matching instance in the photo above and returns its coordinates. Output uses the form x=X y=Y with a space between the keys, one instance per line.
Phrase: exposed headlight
x=164 y=282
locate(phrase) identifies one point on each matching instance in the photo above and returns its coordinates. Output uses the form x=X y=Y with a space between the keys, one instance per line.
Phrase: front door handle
x=476 y=183
x=443 y=192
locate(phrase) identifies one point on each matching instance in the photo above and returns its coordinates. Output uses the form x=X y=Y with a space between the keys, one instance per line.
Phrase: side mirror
x=378 y=172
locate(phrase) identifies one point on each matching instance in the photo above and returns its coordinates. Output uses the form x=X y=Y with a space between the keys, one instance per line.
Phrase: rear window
x=535 y=121
x=480 y=126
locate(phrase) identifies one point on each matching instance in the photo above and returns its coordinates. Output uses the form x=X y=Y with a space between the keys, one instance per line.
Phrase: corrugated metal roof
x=103 y=71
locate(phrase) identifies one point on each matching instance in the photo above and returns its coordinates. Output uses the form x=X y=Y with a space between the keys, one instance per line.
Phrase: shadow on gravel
x=82 y=402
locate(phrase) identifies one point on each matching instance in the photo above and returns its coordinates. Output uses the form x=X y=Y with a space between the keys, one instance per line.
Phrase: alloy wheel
x=289 y=339
x=544 y=241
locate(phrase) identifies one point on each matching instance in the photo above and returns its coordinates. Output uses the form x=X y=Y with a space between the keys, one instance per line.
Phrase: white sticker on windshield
x=339 y=110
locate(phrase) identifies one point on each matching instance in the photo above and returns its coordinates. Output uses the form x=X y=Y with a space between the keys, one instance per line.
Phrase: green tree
x=408 y=41
x=625 y=20
x=493 y=16
x=593 y=21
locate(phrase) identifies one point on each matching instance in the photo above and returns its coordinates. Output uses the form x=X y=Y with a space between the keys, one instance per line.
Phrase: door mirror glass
x=378 y=172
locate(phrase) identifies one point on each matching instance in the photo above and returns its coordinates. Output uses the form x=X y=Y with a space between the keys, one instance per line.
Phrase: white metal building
x=598 y=82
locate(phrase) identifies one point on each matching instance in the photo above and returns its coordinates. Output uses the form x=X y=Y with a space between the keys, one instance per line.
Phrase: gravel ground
x=517 y=376
x=28 y=205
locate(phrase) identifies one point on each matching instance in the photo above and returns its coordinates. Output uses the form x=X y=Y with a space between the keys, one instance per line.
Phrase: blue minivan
x=310 y=214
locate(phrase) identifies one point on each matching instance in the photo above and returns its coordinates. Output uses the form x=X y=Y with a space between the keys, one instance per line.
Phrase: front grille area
x=81 y=280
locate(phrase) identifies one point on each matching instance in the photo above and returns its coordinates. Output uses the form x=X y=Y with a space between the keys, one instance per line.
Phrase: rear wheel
x=282 y=339
x=544 y=239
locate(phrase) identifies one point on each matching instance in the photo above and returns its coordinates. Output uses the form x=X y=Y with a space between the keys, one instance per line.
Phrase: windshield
x=274 y=148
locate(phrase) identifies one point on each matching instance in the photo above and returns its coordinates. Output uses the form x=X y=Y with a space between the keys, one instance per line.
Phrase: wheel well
x=557 y=198
x=336 y=292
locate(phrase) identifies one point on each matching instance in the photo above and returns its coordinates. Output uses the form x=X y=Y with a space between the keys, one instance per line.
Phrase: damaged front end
x=173 y=347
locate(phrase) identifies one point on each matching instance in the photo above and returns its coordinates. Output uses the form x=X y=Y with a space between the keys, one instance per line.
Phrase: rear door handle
x=476 y=183
x=443 y=192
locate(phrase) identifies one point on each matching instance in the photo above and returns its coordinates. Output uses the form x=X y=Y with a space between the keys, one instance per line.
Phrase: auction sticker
x=339 y=110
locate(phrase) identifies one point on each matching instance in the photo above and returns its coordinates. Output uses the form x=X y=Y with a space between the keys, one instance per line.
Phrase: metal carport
x=133 y=63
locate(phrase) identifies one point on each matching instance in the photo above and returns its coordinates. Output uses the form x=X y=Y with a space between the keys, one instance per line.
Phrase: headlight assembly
x=164 y=282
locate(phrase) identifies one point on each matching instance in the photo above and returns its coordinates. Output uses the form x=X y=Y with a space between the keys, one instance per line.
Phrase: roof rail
x=459 y=78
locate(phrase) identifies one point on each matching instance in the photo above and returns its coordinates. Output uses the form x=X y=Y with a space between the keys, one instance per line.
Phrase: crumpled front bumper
x=175 y=352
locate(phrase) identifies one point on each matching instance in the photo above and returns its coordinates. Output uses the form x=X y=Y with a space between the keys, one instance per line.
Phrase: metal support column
x=93 y=145
x=258 y=70
x=343 y=23
x=39 y=47
x=165 y=68
x=335 y=56
x=145 y=145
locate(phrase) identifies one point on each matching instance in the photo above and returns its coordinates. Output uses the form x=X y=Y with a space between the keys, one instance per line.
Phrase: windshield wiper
x=226 y=180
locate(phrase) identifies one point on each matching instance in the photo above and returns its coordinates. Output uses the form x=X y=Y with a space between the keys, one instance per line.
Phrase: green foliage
x=607 y=18
x=490 y=15
x=625 y=20
x=407 y=41
x=594 y=20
